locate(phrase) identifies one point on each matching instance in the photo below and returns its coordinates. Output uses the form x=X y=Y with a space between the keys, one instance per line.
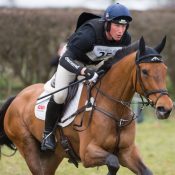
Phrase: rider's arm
x=78 y=46
x=68 y=62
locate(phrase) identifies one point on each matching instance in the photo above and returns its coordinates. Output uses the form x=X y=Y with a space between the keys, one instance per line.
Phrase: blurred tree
x=29 y=38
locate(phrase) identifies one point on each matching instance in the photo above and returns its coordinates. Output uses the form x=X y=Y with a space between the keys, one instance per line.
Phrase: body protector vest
x=102 y=50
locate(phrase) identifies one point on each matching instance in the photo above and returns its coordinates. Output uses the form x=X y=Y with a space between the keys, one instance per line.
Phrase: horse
x=108 y=131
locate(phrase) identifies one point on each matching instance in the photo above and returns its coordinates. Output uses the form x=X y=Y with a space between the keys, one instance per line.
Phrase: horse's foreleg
x=96 y=156
x=131 y=159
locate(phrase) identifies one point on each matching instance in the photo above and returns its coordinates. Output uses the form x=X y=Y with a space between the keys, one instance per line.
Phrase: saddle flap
x=41 y=107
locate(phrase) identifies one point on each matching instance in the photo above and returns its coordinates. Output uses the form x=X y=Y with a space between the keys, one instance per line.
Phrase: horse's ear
x=142 y=46
x=161 y=46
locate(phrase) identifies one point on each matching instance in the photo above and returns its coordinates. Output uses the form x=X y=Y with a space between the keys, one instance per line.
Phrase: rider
x=94 y=41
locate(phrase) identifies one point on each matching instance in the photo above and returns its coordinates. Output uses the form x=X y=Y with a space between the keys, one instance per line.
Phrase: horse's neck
x=119 y=79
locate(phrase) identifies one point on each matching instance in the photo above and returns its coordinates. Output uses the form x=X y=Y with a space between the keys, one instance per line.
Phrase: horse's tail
x=4 y=140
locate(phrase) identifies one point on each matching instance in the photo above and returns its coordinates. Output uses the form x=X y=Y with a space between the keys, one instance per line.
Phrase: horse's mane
x=122 y=53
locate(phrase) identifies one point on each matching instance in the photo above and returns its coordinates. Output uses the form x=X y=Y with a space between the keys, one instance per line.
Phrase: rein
x=121 y=122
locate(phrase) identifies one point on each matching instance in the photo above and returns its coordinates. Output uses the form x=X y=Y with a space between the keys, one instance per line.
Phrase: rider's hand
x=106 y=66
x=90 y=75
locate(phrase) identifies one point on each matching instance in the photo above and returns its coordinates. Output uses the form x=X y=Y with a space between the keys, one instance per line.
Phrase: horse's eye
x=145 y=72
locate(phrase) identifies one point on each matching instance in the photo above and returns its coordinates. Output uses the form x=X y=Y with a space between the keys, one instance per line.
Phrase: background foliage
x=30 y=38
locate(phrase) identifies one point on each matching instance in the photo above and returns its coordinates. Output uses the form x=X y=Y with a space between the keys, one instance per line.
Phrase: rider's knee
x=60 y=97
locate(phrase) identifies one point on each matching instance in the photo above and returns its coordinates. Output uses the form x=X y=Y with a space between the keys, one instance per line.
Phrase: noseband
x=151 y=58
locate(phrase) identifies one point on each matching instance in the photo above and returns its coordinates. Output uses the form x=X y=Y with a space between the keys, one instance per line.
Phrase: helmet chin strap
x=107 y=30
x=107 y=26
x=108 y=35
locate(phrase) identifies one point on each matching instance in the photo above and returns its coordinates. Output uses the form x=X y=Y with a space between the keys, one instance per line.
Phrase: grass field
x=155 y=139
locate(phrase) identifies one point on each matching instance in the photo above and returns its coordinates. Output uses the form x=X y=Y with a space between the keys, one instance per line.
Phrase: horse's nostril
x=161 y=109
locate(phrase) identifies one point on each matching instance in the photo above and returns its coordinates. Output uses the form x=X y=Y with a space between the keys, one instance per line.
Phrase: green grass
x=155 y=139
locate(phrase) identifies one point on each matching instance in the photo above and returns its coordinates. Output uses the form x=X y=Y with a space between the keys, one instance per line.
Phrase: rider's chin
x=118 y=37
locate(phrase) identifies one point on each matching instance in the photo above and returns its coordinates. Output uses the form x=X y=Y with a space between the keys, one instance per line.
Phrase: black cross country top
x=89 y=45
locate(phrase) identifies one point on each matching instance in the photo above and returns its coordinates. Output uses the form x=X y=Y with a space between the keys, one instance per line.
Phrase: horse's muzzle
x=162 y=112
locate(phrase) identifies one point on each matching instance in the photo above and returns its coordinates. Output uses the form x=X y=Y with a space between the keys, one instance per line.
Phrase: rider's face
x=117 y=31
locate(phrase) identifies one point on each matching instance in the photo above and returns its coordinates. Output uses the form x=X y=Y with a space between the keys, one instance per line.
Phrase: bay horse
x=109 y=139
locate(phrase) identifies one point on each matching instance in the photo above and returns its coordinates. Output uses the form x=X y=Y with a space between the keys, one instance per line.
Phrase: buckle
x=122 y=122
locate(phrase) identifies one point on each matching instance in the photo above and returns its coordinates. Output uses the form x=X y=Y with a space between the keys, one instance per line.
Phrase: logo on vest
x=71 y=63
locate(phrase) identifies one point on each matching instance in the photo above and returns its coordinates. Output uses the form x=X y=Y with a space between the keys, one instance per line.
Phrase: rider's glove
x=106 y=66
x=90 y=75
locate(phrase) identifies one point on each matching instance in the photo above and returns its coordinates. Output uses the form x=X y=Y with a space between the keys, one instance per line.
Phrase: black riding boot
x=53 y=114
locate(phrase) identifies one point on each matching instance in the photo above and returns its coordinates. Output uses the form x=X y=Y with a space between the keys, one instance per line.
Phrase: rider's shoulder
x=85 y=31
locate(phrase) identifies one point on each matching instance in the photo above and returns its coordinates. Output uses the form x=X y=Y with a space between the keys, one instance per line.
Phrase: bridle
x=148 y=59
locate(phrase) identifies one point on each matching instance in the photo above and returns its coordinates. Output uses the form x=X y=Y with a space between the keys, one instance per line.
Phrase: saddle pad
x=41 y=107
